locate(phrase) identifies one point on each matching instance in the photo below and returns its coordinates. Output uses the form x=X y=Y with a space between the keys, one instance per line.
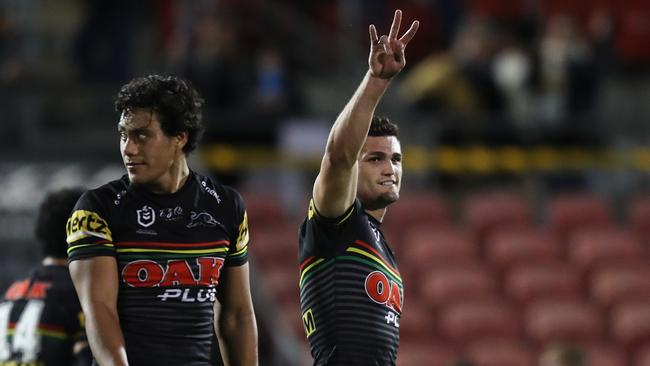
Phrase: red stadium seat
x=568 y=212
x=563 y=320
x=642 y=356
x=425 y=247
x=522 y=245
x=472 y=320
x=414 y=209
x=598 y=246
x=416 y=322
x=430 y=353
x=605 y=355
x=630 y=323
x=272 y=246
x=281 y=282
x=620 y=283
x=484 y=212
x=500 y=352
x=639 y=216
x=529 y=282
x=451 y=283
x=263 y=209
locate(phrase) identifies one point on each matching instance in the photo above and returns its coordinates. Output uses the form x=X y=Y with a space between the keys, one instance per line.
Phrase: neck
x=378 y=214
x=174 y=179
x=52 y=261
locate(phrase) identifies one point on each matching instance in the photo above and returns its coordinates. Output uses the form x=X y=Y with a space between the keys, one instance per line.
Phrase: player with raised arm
x=351 y=291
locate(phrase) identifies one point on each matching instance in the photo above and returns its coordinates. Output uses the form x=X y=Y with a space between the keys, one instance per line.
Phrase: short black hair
x=53 y=215
x=175 y=101
x=382 y=126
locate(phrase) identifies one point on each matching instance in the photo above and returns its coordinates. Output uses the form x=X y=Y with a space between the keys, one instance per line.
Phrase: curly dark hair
x=381 y=126
x=175 y=101
x=52 y=217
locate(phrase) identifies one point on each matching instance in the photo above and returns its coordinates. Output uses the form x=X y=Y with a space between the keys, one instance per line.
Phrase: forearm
x=237 y=334
x=351 y=127
x=105 y=336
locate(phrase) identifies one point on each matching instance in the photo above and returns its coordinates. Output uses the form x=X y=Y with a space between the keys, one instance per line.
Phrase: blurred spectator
x=16 y=38
x=562 y=355
x=460 y=80
x=104 y=47
x=565 y=77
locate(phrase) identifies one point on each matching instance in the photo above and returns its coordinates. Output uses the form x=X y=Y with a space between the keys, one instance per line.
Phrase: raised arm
x=235 y=319
x=95 y=280
x=336 y=185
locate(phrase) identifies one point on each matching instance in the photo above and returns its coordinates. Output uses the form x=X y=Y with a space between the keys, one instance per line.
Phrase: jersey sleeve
x=238 y=253
x=324 y=236
x=88 y=230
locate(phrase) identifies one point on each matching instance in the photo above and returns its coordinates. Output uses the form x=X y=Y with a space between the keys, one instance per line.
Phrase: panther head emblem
x=201 y=219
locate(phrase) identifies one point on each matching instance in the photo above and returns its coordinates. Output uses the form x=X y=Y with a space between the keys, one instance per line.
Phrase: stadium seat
x=416 y=322
x=450 y=283
x=508 y=247
x=639 y=216
x=281 y=282
x=484 y=212
x=599 y=246
x=426 y=247
x=613 y=284
x=415 y=209
x=272 y=246
x=472 y=320
x=499 y=352
x=426 y=352
x=642 y=356
x=535 y=281
x=604 y=354
x=630 y=323
x=567 y=320
x=263 y=209
x=570 y=211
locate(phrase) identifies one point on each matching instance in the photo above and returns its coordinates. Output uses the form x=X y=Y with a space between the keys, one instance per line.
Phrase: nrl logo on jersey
x=146 y=216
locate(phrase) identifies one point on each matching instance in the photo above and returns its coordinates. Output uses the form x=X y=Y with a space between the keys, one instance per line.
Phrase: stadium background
x=525 y=217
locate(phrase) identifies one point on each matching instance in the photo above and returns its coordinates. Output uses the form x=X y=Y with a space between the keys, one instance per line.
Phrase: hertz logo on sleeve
x=242 y=237
x=83 y=224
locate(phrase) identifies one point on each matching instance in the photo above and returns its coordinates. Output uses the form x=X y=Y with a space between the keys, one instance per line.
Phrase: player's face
x=148 y=153
x=380 y=172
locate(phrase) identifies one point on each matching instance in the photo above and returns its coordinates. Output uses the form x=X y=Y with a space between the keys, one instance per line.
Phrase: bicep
x=335 y=188
x=95 y=280
x=235 y=293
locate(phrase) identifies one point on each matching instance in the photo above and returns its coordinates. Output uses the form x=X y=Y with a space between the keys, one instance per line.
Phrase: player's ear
x=181 y=139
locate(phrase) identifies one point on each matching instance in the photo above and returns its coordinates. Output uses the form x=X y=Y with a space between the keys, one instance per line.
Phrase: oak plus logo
x=176 y=277
x=146 y=216
x=387 y=292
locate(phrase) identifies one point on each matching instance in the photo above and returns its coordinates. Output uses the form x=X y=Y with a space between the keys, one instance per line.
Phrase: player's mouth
x=132 y=166
x=388 y=183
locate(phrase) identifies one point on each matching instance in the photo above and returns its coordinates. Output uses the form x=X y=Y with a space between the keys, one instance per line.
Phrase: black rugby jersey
x=40 y=319
x=170 y=250
x=351 y=292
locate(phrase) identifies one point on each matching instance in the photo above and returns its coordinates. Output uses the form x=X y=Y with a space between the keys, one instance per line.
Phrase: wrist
x=376 y=84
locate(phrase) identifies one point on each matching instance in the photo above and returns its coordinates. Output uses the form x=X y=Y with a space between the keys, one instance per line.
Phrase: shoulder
x=355 y=210
x=219 y=192
x=109 y=192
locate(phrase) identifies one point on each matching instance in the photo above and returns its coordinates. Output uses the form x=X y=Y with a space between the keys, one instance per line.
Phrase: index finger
x=373 y=34
x=394 y=28
x=406 y=38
